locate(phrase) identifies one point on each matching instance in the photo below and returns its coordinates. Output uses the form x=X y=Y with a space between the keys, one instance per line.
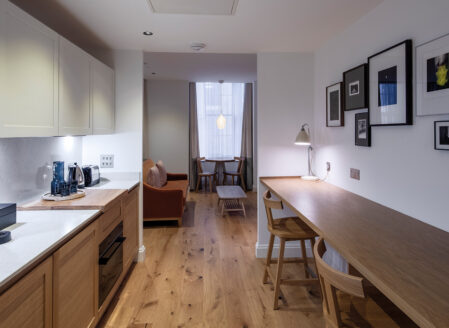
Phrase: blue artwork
x=388 y=87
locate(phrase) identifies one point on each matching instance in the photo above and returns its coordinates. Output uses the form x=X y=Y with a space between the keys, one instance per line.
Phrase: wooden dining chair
x=236 y=174
x=208 y=176
x=377 y=313
x=286 y=229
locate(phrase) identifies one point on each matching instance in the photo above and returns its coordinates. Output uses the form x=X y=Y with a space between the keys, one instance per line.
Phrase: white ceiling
x=201 y=67
x=256 y=26
x=199 y=7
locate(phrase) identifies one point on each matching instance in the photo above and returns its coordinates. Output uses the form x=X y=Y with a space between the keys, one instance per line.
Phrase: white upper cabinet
x=75 y=114
x=103 y=97
x=49 y=86
x=28 y=75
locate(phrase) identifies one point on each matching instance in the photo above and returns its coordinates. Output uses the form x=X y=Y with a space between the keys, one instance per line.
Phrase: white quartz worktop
x=116 y=184
x=35 y=233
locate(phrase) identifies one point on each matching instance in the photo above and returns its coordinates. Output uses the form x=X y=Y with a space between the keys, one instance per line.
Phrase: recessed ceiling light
x=147 y=33
x=154 y=73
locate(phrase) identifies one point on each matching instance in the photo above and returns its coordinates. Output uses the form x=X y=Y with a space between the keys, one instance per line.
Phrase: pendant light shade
x=221 y=122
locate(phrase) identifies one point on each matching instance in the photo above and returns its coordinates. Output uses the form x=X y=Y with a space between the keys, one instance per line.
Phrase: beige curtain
x=194 y=143
x=247 y=136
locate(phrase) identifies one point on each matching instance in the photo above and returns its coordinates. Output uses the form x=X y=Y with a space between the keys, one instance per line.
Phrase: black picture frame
x=331 y=97
x=437 y=138
x=357 y=76
x=383 y=87
x=362 y=130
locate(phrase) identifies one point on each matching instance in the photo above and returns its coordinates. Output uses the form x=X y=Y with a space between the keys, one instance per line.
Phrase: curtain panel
x=247 y=136
x=194 y=140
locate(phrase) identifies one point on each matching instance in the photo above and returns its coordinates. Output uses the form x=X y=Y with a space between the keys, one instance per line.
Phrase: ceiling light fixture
x=147 y=33
x=197 y=46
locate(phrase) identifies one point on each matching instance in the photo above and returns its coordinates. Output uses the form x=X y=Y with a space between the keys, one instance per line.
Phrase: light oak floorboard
x=205 y=274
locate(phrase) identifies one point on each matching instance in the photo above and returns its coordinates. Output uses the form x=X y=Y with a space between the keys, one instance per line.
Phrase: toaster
x=91 y=175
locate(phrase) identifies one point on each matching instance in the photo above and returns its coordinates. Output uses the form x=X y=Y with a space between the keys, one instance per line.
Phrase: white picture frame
x=335 y=105
x=391 y=86
x=429 y=101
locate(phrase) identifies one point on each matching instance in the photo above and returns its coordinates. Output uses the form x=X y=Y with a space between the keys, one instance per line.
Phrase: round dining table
x=220 y=164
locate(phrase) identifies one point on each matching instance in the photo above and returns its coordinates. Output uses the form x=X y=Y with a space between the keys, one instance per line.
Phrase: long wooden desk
x=406 y=259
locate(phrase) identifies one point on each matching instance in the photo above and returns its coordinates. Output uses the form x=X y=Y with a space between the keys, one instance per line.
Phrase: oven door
x=110 y=262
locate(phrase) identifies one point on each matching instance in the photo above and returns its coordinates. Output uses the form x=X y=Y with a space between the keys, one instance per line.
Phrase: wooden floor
x=205 y=274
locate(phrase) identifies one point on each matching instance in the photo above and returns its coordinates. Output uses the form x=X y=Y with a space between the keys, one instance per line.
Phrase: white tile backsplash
x=26 y=164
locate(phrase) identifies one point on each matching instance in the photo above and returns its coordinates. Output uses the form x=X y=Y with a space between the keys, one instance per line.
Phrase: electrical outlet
x=355 y=174
x=328 y=166
x=107 y=161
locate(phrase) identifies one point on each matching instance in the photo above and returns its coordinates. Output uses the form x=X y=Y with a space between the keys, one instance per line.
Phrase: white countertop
x=35 y=233
x=116 y=184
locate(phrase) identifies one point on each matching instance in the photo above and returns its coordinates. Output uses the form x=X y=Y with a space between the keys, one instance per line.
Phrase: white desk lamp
x=303 y=139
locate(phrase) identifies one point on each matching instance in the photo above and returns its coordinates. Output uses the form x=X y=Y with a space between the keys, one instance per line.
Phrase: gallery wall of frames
x=384 y=88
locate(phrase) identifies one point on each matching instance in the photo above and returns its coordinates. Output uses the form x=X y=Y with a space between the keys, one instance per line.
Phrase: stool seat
x=204 y=174
x=291 y=228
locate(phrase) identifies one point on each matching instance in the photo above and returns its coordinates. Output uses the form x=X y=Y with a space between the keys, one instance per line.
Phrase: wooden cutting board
x=96 y=199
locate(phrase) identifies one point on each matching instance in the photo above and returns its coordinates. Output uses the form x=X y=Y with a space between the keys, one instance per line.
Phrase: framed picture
x=391 y=86
x=432 y=75
x=355 y=82
x=362 y=130
x=441 y=135
x=334 y=105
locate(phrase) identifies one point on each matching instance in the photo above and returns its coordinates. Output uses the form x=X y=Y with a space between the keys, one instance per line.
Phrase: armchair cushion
x=154 y=178
x=162 y=172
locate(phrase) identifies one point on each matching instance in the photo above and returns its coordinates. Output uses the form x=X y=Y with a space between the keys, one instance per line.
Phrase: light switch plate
x=107 y=161
x=355 y=174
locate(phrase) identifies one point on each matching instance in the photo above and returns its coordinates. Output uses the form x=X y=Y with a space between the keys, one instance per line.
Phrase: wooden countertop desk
x=406 y=259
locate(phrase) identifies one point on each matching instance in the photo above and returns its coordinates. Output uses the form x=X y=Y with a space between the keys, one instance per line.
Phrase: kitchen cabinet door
x=28 y=303
x=103 y=98
x=28 y=75
x=75 y=115
x=131 y=227
x=75 y=281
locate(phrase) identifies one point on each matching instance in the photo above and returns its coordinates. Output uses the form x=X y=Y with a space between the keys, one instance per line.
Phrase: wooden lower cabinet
x=28 y=304
x=75 y=281
x=130 y=227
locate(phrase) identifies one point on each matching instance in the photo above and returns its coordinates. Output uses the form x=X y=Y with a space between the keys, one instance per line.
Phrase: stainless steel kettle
x=76 y=174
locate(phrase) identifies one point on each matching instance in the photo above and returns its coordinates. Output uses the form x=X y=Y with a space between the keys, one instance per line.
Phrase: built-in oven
x=110 y=262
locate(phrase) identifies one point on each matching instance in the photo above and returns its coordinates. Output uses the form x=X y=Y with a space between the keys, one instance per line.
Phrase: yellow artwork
x=442 y=75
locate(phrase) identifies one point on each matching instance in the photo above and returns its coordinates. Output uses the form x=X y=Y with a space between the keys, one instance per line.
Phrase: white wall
x=401 y=170
x=284 y=102
x=26 y=165
x=166 y=123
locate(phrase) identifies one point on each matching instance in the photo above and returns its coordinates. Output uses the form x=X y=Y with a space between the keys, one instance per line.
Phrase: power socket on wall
x=107 y=161
x=354 y=174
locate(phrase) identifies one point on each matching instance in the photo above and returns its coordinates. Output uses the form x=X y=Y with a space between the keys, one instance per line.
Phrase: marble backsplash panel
x=26 y=164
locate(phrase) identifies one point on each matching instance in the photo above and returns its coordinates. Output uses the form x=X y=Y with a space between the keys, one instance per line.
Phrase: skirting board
x=291 y=250
x=141 y=254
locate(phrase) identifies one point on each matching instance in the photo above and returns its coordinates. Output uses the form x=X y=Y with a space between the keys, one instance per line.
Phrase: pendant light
x=221 y=120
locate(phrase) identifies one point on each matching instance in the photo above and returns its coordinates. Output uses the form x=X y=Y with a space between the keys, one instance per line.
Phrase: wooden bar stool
x=208 y=176
x=376 y=314
x=236 y=174
x=286 y=229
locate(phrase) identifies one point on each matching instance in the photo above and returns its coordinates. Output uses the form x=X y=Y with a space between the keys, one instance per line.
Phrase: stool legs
x=269 y=254
x=304 y=257
x=277 y=287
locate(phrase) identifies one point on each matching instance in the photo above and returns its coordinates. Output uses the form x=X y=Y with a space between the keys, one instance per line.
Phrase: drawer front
x=109 y=220
x=131 y=226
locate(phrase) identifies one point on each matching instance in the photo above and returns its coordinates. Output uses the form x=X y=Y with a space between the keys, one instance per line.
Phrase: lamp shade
x=221 y=122
x=303 y=138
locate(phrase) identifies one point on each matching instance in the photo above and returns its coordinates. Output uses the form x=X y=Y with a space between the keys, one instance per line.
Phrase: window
x=212 y=100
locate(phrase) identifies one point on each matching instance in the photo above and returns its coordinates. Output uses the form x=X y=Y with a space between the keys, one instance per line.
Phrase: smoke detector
x=197 y=46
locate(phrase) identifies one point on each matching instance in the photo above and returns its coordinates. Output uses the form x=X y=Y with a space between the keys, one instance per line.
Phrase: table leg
x=223 y=207
x=243 y=208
